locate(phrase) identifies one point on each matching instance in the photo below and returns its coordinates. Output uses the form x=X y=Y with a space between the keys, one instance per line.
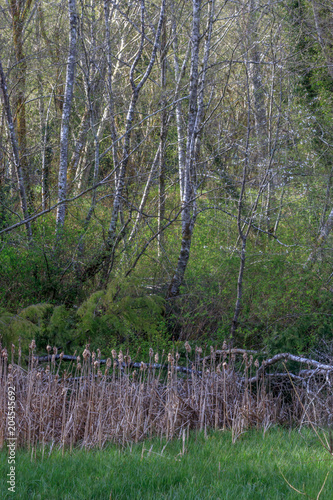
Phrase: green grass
x=211 y=468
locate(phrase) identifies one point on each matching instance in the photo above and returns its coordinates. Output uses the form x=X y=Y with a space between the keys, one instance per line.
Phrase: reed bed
x=87 y=401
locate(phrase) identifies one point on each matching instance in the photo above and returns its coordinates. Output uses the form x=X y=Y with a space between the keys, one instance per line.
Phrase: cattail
x=96 y=363
x=55 y=351
x=151 y=352
x=108 y=363
x=218 y=368
x=120 y=357
x=99 y=374
x=79 y=366
x=10 y=367
x=251 y=360
x=256 y=363
x=143 y=366
x=93 y=356
x=134 y=374
x=156 y=358
x=61 y=355
x=224 y=346
x=86 y=354
x=47 y=369
x=53 y=359
x=170 y=358
x=99 y=353
x=114 y=353
x=48 y=348
x=78 y=359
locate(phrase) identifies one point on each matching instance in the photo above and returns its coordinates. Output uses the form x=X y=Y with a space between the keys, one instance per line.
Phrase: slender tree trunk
x=16 y=153
x=145 y=194
x=130 y=115
x=19 y=13
x=188 y=216
x=104 y=257
x=63 y=164
x=194 y=131
x=163 y=135
x=179 y=72
x=79 y=148
x=113 y=129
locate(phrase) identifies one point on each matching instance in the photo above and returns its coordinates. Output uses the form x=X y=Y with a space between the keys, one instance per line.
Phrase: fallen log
x=321 y=369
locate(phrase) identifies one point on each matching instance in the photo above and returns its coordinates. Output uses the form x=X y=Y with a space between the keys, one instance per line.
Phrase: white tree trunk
x=68 y=98
x=188 y=214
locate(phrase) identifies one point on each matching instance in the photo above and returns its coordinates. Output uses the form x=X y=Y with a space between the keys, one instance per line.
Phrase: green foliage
x=24 y=325
x=124 y=315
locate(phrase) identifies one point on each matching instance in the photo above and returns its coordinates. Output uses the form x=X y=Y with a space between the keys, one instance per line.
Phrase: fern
x=119 y=312
x=25 y=324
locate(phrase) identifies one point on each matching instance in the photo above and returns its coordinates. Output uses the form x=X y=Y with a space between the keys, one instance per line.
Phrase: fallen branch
x=320 y=369
x=137 y=365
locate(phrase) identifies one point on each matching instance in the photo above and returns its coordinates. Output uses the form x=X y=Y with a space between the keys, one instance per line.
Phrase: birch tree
x=64 y=133
x=188 y=191
x=104 y=258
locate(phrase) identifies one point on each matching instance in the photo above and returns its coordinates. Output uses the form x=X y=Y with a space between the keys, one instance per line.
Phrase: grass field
x=202 y=467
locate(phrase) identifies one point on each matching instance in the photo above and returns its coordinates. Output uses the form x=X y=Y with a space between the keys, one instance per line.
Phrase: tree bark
x=194 y=116
x=163 y=135
x=63 y=164
x=19 y=13
x=16 y=152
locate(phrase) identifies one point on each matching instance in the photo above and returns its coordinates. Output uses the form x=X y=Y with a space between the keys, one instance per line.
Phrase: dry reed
x=92 y=401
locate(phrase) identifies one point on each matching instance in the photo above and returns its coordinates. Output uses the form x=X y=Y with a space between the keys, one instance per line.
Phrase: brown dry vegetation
x=91 y=401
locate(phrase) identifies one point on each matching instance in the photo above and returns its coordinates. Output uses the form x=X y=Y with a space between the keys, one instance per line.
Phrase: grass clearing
x=212 y=467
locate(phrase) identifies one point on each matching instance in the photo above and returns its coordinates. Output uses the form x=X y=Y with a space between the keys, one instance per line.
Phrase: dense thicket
x=166 y=172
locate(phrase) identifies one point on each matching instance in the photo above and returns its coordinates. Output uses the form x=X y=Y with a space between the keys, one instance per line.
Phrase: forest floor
x=213 y=465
